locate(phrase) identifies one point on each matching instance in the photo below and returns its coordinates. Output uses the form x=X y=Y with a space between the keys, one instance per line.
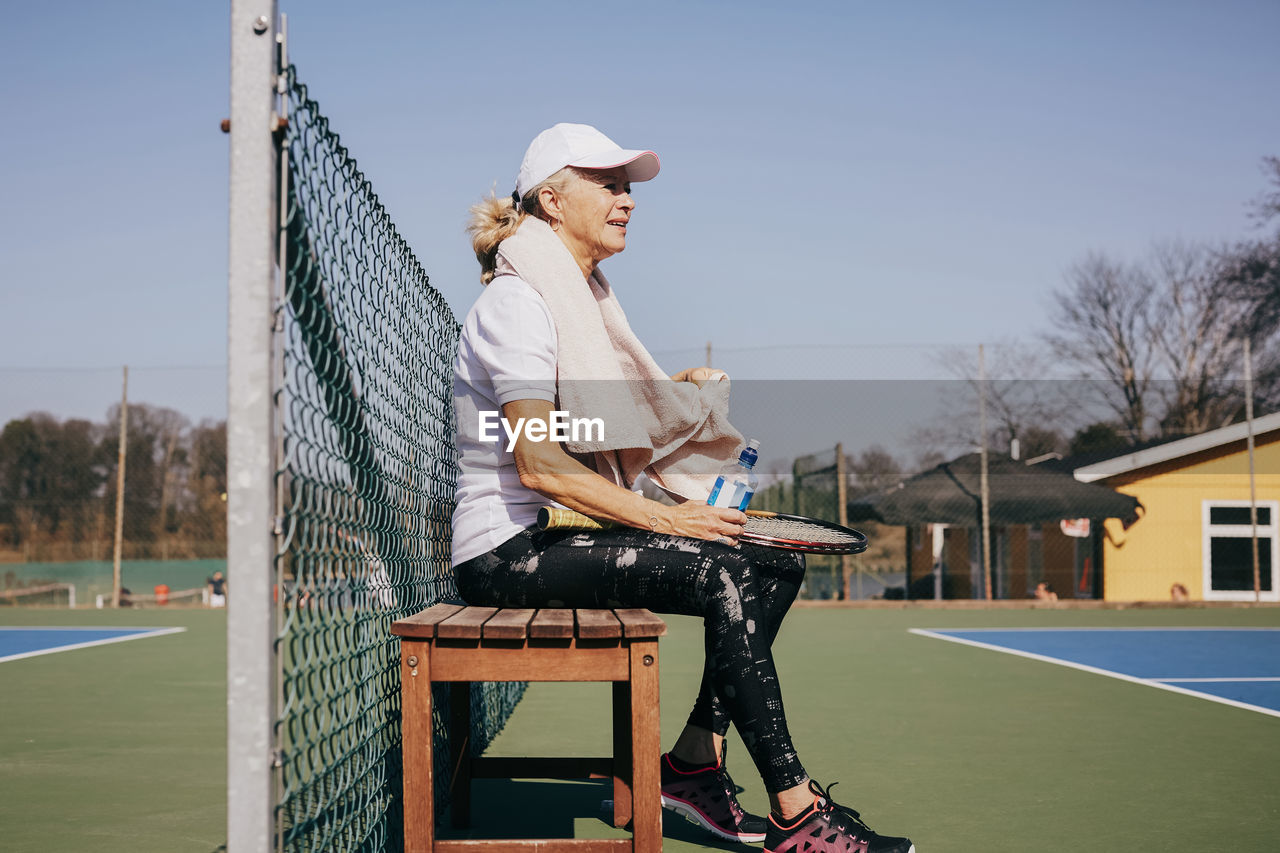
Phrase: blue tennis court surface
x=18 y=643
x=1234 y=666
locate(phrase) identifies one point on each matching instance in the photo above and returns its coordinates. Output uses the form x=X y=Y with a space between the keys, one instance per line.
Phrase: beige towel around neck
x=676 y=433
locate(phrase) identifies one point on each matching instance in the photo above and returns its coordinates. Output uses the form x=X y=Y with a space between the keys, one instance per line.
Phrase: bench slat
x=637 y=622
x=598 y=624
x=466 y=624
x=423 y=623
x=536 y=845
x=508 y=625
x=552 y=625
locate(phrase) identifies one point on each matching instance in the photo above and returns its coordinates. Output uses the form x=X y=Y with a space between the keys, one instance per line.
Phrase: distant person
x=1044 y=592
x=125 y=600
x=1178 y=592
x=217 y=590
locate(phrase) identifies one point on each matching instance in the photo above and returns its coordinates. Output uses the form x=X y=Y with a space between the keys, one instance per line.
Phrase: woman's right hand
x=700 y=521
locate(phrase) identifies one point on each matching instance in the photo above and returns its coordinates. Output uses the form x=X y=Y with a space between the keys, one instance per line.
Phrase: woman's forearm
x=547 y=469
x=551 y=472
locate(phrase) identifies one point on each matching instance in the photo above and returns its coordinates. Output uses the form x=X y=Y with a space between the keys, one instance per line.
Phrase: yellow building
x=1196 y=529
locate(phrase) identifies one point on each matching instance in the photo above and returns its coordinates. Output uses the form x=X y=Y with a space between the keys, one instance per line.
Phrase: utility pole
x=985 y=485
x=1253 y=492
x=120 y=460
x=842 y=515
x=708 y=353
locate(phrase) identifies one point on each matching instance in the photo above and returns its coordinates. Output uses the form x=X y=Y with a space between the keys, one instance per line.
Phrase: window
x=1228 y=550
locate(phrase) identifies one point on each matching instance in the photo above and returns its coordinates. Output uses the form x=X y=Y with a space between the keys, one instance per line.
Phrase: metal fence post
x=250 y=468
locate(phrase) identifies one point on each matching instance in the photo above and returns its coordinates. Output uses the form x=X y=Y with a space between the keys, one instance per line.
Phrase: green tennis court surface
x=120 y=747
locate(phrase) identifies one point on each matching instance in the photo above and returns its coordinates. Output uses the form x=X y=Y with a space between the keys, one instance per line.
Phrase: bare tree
x=1103 y=317
x=1194 y=328
x=873 y=470
x=1025 y=402
x=1167 y=335
x=1250 y=274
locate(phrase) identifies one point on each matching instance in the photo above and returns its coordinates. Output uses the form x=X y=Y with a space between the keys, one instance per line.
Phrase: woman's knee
x=731 y=588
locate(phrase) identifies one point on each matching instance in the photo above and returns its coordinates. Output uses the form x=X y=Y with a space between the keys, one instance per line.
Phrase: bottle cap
x=749 y=455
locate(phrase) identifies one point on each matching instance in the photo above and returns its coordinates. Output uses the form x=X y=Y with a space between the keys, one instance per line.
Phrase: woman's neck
x=588 y=266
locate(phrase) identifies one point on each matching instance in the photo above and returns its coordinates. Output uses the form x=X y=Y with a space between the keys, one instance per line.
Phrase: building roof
x=1019 y=494
x=1137 y=459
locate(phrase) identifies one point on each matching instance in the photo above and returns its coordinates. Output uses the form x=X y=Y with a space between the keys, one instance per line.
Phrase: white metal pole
x=250 y=467
x=985 y=486
x=121 y=456
x=1253 y=491
x=939 y=541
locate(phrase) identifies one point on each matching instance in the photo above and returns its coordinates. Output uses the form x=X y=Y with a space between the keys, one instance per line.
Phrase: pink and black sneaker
x=827 y=827
x=707 y=796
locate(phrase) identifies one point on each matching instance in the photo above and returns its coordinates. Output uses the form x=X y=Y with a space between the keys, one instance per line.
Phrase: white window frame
x=1239 y=531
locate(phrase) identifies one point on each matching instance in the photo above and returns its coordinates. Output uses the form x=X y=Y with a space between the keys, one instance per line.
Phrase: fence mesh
x=366 y=475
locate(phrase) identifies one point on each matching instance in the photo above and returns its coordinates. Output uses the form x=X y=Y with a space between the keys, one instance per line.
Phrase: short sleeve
x=512 y=338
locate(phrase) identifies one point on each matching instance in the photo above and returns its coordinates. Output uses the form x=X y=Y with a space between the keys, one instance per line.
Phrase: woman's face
x=595 y=209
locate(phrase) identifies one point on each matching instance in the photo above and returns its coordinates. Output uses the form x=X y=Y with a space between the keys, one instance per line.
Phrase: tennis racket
x=770 y=529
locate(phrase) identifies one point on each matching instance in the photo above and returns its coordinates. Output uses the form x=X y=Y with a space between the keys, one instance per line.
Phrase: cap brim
x=641 y=165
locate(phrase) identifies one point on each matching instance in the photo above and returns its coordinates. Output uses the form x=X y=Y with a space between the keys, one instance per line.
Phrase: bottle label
x=746 y=499
x=727 y=494
x=715 y=491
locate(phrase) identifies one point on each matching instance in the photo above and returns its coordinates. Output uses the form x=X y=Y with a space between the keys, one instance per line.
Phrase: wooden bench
x=459 y=645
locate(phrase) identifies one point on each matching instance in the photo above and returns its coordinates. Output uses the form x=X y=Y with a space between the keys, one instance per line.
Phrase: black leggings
x=741 y=593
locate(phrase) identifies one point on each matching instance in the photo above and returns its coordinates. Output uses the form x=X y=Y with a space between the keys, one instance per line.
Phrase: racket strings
x=799 y=531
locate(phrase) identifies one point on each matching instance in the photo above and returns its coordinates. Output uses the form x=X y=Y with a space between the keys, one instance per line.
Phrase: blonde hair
x=495 y=219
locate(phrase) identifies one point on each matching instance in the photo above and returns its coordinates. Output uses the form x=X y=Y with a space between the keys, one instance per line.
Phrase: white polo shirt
x=507 y=351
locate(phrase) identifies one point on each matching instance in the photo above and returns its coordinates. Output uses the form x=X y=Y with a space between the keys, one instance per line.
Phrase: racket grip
x=556 y=518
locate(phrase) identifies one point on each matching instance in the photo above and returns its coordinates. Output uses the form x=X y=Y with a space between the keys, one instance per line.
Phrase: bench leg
x=646 y=785
x=460 y=758
x=622 y=808
x=416 y=730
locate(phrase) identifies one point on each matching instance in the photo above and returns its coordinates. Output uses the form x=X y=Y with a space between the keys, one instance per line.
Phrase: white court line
x=1218 y=680
x=1093 y=669
x=1178 y=628
x=146 y=632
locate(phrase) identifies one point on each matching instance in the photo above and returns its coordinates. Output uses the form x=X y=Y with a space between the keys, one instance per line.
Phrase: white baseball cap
x=583 y=146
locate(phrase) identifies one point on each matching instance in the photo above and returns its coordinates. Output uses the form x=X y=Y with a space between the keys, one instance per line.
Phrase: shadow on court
x=529 y=808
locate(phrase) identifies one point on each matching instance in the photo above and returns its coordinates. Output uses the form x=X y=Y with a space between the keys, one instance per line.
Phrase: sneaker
x=827 y=827
x=708 y=797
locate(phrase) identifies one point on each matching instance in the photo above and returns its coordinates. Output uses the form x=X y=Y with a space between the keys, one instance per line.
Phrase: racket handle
x=556 y=518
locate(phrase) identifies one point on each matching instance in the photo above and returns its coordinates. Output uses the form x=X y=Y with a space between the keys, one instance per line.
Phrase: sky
x=846 y=187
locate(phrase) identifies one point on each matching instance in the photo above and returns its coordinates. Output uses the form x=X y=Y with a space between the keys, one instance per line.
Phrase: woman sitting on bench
x=547 y=335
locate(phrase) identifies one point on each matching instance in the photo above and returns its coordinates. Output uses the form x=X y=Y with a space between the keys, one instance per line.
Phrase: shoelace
x=832 y=805
x=732 y=790
x=730 y=787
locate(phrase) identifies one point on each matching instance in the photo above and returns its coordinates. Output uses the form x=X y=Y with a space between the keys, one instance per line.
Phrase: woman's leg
x=633 y=568
x=780 y=574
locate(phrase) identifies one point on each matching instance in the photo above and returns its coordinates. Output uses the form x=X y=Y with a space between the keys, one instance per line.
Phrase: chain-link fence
x=365 y=478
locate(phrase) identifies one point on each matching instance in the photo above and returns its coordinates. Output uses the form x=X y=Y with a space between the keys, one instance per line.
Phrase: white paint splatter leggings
x=742 y=594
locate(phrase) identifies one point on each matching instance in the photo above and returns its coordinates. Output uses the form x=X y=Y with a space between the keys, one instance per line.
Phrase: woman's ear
x=549 y=202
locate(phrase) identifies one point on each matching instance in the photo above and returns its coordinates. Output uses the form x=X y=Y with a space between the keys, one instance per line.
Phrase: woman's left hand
x=700 y=375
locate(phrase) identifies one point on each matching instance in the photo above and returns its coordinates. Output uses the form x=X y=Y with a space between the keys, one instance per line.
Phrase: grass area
x=962 y=749
x=120 y=747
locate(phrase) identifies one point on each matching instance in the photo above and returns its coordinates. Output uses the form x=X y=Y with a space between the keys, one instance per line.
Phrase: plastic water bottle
x=737 y=482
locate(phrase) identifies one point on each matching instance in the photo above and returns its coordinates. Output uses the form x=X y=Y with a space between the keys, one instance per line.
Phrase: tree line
x=58 y=486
